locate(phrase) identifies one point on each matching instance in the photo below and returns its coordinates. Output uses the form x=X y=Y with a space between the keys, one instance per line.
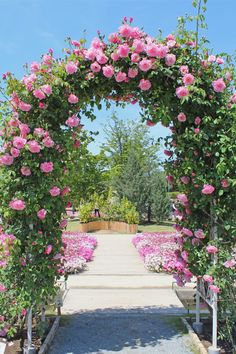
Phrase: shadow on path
x=137 y=330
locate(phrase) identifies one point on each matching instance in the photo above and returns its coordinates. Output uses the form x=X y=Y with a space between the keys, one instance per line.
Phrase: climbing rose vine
x=175 y=83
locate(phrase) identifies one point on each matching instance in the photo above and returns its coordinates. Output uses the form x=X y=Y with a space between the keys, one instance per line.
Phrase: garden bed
x=118 y=226
x=79 y=248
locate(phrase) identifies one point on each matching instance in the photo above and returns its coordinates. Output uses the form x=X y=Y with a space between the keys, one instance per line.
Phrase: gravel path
x=127 y=332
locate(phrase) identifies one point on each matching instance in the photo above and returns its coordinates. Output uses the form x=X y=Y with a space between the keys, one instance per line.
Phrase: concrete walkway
x=118 y=306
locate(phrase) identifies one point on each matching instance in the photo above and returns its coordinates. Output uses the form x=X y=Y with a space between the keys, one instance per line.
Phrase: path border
x=50 y=336
x=194 y=337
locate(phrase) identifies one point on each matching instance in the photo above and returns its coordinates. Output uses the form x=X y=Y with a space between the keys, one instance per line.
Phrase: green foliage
x=161 y=204
x=85 y=211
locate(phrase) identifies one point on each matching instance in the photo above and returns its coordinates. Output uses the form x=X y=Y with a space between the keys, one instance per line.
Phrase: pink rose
x=233 y=98
x=168 y=153
x=19 y=142
x=211 y=58
x=212 y=249
x=72 y=122
x=114 y=38
x=184 y=69
x=108 y=71
x=170 y=59
x=197 y=120
x=138 y=45
x=42 y=214
x=90 y=54
x=224 y=183
x=208 y=278
x=15 y=152
x=220 y=61
x=39 y=94
x=123 y=50
x=34 y=67
x=24 y=106
x=39 y=132
x=17 y=204
x=101 y=58
x=182 y=198
x=170 y=179
x=214 y=289
x=47 y=89
x=2 y=288
x=208 y=189
x=185 y=179
x=48 y=250
x=135 y=57
x=73 y=98
x=46 y=167
x=95 y=67
x=6 y=159
x=181 y=117
x=48 y=142
x=71 y=67
x=182 y=91
x=196 y=130
x=230 y=263
x=25 y=171
x=63 y=224
x=149 y=123
x=187 y=232
x=199 y=234
x=120 y=76
x=132 y=73
x=219 y=85
x=65 y=191
x=145 y=64
x=34 y=146
x=115 y=56
x=125 y=31
x=55 y=191
x=144 y=85
x=188 y=79
x=24 y=129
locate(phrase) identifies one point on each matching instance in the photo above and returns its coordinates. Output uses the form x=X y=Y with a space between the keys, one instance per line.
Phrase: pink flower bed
x=158 y=250
x=79 y=248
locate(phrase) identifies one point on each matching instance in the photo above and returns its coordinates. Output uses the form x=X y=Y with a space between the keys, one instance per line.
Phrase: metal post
x=30 y=348
x=198 y=325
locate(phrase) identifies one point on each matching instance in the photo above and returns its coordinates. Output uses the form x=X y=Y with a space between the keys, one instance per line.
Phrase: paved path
x=117 y=306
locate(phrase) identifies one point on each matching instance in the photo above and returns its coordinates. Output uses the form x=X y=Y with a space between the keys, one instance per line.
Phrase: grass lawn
x=164 y=226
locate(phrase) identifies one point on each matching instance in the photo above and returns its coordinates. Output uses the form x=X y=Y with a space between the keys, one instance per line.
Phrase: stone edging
x=50 y=336
x=3 y=344
x=194 y=337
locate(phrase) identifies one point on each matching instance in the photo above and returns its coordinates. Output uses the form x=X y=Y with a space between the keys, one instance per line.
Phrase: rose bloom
x=208 y=278
x=182 y=91
x=212 y=249
x=47 y=89
x=184 y=69
x=199 y=234
x=120 y=76
x=39 y=94
x=65 y=191
x=19 y=142
x=39 y=132
x=149 y=123
x=144 y=85
x=17 y=204
x=72 y=122
x=170 y=59
x=196 y=130
x=34 y=67
x=123 y=50
x=214 y=289
x=181 y=117
x=125 y=30
x=42 y=214
x=95 y=67
x=15 y=152
x=132 y=73
x=48 y=142
x=197 y=120
x=230 y=263
x=138 y=45
x=24 y=129
x=168 y=153
x=6 y=159
x=46 y=167
x=224 y=183
x=73 y=98
x=108 y=71
x=55 y=191
x=2 y=288
x=187 y=232
x=115 y=56
x=101 y=58
x=185 y=179
x=48 y=250
x=63 y=224
x=34 y=146
x=135 y=57
x=25 y=171
x=71 y=67
x=188 y=79
x=182 y=198
x=218 y=85
x=24 y=106
x=233 y=98
x=208 y=189
x=145 y=64
x=170 y=179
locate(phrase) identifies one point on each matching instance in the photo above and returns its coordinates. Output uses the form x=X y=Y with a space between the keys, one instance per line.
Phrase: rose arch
x=189 y=91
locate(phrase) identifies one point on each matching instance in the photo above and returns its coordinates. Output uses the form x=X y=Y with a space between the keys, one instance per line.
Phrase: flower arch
x=189 y=92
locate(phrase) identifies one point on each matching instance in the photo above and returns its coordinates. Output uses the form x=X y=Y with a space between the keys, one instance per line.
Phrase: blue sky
x=28 y=28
